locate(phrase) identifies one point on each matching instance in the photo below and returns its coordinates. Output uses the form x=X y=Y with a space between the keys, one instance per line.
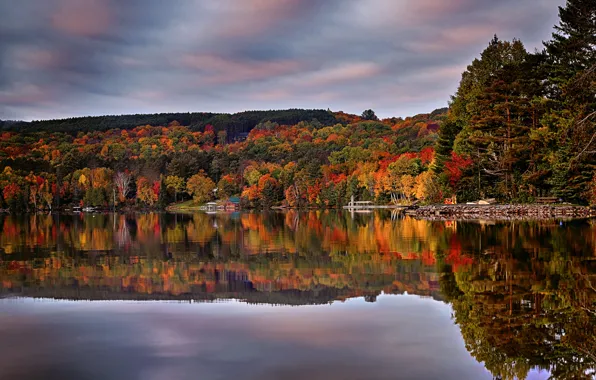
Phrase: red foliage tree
x=455 y=166
x=427 y=155
x=11 y=192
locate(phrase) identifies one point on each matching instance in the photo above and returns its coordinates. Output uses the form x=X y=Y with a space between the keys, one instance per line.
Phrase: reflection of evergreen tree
x=517 y=312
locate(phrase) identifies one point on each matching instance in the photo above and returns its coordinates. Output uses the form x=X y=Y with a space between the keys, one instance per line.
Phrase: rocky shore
x=535 y=211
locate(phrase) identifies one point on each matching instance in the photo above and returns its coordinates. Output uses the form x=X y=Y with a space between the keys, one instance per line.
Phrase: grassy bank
x=184 y=206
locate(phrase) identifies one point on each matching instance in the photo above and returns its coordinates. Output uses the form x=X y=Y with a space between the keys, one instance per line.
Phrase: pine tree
x=444 y=145
x=493 y=106
x=572 y=87
x=369 y=115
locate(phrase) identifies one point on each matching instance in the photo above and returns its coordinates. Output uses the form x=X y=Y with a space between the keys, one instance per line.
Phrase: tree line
x=307 y=164
x=232 y=124
x=527 y=120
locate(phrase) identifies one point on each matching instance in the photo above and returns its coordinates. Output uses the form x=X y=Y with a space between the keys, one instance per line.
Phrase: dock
x=369 y=205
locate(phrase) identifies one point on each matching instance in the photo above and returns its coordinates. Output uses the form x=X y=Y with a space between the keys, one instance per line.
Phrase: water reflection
x=522 y=293
x=397 y=337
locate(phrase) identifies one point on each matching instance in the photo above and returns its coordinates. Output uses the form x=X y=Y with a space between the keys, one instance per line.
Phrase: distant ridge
x=233 y=124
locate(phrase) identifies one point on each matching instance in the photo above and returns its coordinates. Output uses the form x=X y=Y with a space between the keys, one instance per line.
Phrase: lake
x=295 y=295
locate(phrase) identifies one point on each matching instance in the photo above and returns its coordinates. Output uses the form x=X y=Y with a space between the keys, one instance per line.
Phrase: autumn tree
x=428 y=188
x=12 y=194
x=227 y=186
x=46 y=194
x=270 y=191
x=35 y=187
x=406 y=185
x=200 y=187
x=146 y=191
x=175 y=184
x=123 y=181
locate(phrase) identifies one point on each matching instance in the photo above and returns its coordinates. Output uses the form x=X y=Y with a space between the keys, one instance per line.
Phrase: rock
x=491 y=211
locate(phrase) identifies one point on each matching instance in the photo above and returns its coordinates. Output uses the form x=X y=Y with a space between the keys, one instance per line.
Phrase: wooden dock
x=369 y=205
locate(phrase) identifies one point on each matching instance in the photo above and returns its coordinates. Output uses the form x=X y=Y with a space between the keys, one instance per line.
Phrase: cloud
x=344 y=72
x=62 y=58
x=219 y=70
x=253 y=17
x=25 y=94
x=87 y=18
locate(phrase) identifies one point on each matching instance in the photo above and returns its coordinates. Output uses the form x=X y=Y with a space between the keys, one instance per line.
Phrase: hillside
x=319 y=162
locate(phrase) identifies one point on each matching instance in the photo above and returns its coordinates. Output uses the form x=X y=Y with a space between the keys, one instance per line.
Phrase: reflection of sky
x=396 y=337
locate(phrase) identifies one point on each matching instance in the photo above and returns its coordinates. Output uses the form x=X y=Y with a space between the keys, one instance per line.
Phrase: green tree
x=369 y=115
x=572 y=87
x=444 y=145
x=493 y=104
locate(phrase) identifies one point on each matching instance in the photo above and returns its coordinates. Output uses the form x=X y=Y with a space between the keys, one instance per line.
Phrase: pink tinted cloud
x=148 y=95
x=253 y=17
x=130 y=62
x=23 y=94
x=35 y=58
x=341 y=74
x=272 y=94
x=420 y=14
x=450 y=39
x=84 y=18
x=220 y=70
x=437 y=9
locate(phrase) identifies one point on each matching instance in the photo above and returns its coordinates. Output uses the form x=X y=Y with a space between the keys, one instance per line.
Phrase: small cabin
x=232 y=204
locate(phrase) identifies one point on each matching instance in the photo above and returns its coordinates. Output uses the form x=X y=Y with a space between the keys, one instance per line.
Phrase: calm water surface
x=313 y=295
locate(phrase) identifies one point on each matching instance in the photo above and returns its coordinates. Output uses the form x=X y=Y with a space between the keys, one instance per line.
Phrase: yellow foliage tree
x=175 y=184
x=427 y=187
x=145 y=192
x=406 y=187
x=200 y=187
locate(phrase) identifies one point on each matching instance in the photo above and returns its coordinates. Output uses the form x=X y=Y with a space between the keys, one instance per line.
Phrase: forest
x=521 y=125
x=306 y=164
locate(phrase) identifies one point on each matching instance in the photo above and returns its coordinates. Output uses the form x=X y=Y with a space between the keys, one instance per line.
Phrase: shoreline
x=500 y=212
x=435 y=212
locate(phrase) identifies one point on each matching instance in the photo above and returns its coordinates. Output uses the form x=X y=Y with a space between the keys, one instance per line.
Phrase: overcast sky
x=63 y=58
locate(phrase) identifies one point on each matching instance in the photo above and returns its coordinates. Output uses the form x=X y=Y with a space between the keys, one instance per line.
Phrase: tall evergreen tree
x=444 y=145
x=500 y=127
x=493 y=107
x=572 y=87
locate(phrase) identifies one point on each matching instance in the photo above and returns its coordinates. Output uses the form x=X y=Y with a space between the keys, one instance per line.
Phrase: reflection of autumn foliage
x=455 y=256
x=174 y=278
x=322 y=254
x=523 y=294
x=199 y=253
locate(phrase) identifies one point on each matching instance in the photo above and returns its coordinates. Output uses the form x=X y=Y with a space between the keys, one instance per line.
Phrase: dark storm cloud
x=73 y=57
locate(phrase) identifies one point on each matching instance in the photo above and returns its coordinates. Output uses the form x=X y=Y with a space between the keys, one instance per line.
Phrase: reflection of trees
x=318 y=254
x=310 y=279
x=312 y=232
x=523 y=293
x=531 y=308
